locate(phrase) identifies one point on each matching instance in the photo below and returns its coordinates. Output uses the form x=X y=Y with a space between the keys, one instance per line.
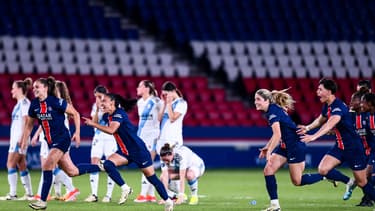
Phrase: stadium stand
x=255 y=44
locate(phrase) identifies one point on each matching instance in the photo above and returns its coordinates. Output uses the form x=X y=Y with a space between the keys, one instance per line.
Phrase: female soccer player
x=59 y=176
x=149 y=106
x=173 y=112
x=103 y=144
x=17 y=155
x=335 y=116
x=131 y=148
x=50 y=112
x=368 y=122
x=180 y=163
x=284 y=146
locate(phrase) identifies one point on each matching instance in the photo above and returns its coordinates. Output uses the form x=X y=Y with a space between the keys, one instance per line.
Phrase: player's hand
x=307 y=138
x=77 y=138
x=302 y=129
x=34 y=141
x=23 y=147
x=263 y=152
x=180 y=198
x=88 y=121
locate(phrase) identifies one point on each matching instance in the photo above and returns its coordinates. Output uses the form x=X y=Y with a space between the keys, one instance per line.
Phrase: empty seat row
x=282 y=48
x=86 y=58
x=77 y=45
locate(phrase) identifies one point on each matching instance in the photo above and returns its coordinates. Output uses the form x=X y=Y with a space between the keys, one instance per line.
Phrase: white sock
x=26 y=182
x=110 y=186
x=94 y=180
x=193 y=184
x=174 y=185
x=12 y=180
x=124 y=187
x=63 y=178
x=275 y=202
x=151 y=190
x=40 y=185
x=144 y=185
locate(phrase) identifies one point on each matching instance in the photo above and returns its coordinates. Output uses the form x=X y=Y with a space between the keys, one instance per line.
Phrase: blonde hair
x=279 y=97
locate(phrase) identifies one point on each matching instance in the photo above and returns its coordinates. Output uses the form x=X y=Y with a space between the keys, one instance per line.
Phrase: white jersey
x=149 y=125
x=102 y=143
x=183 y=159
x=20 y=110
x=171 y=132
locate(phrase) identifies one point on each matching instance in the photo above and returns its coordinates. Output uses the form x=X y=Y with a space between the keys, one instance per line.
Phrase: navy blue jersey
x=346 y=136
x=289 y=137
x=362 y=127
x=126 y=135
x=370 y=120
x=51 y=116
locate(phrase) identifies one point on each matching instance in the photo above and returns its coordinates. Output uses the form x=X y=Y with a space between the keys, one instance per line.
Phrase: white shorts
x=150 y=140
x=161 y=142
x=14 y=147
x=44 y=150
x=198 y=170
x=103 y=147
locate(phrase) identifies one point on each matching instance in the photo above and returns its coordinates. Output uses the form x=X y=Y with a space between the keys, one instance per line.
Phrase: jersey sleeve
x=181 y=107
x=31 y=111
x=118 y=116
x=273 y=115
x=336 y=110
x=93 y=110
x=60 y=105
x=25 y=105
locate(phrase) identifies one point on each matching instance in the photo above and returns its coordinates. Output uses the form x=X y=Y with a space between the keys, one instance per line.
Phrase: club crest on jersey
x=61 y=101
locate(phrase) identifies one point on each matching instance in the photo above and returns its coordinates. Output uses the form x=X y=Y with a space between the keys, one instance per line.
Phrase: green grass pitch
x=222 y=189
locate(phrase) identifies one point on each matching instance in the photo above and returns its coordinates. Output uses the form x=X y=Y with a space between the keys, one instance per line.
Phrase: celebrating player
x=335 y=116
x=131 y=148
x=284 y=146
x=102 y=144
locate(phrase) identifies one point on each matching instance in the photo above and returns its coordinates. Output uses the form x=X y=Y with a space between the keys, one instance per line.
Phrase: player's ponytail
x=151 y=86
x=62 y=88
x=126 y=104
x=283 y=99
x=25 y=84
x=166 y=150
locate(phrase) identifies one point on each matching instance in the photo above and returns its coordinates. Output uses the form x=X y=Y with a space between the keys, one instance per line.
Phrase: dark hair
x=62 y=88
x=25 y=84
x=149 y=84
x=369 y=98
x=100 y=89
x=126 y=104
x=329 y=85
x=50 y=84
x=166 y=150
x=170 y=86
x=365 y=83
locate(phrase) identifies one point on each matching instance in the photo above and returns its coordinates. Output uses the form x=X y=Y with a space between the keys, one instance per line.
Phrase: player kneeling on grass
x=181 y=163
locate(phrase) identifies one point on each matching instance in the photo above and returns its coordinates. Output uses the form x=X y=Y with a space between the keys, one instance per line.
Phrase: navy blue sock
x=271 y=186
x=158 y=186
x=47 y=182
x=337 y=176
x=369 y=191
x=113 y=173
x=85 y=168
x=308 y=179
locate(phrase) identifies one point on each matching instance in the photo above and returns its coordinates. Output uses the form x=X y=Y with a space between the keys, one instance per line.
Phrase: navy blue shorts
x=295 y=154
x=356 y=159
x=142 y=159
x=371 y=158
x=62 y=143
